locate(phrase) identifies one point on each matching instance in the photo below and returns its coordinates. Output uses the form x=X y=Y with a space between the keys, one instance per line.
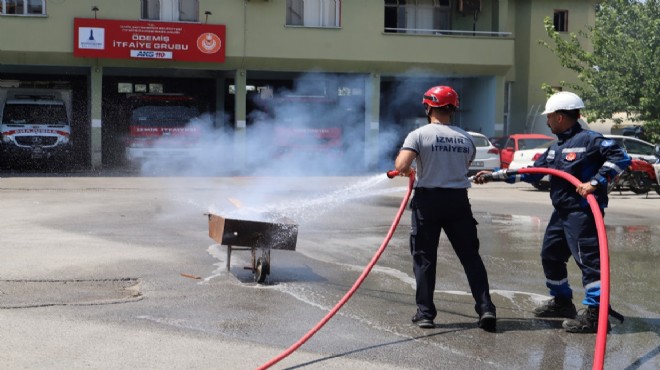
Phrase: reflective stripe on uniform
x=574 y=150
x=592 y=285
x=613 y=166
x=557 y=282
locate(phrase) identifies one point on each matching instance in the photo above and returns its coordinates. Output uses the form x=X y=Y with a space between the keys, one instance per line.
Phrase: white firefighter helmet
x=563 y=100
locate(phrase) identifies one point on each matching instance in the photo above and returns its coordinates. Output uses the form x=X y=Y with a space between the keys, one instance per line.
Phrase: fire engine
x=162 y=127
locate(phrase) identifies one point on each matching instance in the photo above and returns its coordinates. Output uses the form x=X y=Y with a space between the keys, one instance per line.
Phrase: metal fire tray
x=276 y=232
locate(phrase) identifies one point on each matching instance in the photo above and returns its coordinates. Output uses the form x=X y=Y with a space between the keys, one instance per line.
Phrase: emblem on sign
x=571 y=156
x=209 y=43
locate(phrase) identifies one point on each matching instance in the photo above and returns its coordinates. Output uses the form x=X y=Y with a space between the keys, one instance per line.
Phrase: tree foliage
x=622 y=73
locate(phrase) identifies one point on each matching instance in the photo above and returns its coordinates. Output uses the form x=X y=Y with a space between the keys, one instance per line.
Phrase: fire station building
x=352 y=72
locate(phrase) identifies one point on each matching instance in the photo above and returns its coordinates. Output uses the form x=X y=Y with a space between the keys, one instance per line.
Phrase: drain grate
x=41 y=293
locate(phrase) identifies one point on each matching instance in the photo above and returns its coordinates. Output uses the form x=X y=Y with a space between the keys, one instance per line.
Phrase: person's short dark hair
x=446 y=108
x=572 y=113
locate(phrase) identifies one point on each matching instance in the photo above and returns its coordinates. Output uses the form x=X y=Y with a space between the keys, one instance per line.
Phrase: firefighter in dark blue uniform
x=595 y=161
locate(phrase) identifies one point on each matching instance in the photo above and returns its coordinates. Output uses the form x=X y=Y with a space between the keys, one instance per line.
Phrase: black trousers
x=434 y=210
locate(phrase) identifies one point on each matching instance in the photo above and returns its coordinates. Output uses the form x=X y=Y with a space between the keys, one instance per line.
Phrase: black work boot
x=422 y=322
x=488 y=322
x=586 y=322
x=557 y=307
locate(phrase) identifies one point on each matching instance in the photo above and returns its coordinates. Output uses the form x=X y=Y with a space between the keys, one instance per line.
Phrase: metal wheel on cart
x=260 y=272
x=262 y=266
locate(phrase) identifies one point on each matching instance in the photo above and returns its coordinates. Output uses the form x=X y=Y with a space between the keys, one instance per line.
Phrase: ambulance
x=35 y=124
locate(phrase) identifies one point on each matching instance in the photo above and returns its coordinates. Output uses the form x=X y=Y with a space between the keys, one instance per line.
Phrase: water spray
x=358 y=282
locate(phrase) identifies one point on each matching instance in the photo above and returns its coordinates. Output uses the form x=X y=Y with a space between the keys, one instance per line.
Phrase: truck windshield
x=37 y=114
x=163 y=116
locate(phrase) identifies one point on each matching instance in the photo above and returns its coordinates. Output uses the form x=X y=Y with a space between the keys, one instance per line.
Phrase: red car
x=509 y=144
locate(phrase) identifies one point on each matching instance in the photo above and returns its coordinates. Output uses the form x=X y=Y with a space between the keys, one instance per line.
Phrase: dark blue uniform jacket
x=586 y=155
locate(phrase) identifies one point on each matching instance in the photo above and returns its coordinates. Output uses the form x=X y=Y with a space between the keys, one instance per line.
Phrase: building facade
x=349 y=74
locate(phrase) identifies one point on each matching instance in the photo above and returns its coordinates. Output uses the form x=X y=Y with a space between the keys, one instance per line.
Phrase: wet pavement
x=119 y=272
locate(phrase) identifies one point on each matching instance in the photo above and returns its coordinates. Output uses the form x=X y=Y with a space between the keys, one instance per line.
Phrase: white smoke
x=314 y=103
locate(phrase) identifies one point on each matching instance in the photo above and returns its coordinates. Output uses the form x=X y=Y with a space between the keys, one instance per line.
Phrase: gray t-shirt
x=444 y=153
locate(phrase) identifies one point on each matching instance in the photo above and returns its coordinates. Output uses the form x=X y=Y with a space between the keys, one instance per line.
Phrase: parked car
x=487 y=157
x=516 y=142
x=635 y=148
x=498 y=141
x=634 y=131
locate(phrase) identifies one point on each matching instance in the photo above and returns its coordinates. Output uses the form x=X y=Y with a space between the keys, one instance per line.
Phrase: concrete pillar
x=501 y=15
x=95 y=102
x=372 y=121
x=219 y=116
x=500 y=124
x=240 y=128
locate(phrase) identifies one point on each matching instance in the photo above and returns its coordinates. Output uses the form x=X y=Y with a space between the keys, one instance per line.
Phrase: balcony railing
x=420 y=31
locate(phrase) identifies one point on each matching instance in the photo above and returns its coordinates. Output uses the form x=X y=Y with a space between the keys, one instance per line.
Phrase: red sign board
x=107 y=38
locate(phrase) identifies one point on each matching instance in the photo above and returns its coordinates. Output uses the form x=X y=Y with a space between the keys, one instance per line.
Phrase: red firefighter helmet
x=440 y=96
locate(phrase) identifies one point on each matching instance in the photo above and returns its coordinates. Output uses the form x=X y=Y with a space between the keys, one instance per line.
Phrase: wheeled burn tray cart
x=259 y=237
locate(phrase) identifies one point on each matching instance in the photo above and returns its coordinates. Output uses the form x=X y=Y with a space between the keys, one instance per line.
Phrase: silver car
x=487 y=157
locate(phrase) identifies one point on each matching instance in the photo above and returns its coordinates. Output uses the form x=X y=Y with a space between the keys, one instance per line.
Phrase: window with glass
x=417 y=16
x=33 y=114
x=164 y=115
x=561 y=20
x=638 y=147
x=170 y=10
x=23 y=7
x=480 y=141
x=313 y=13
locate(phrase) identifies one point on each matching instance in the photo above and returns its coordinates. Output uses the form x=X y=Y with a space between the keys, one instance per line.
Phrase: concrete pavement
x=93 y=275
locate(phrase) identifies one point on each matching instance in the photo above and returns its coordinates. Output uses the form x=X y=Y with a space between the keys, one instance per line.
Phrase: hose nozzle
x=499 y=175
x=392 y=174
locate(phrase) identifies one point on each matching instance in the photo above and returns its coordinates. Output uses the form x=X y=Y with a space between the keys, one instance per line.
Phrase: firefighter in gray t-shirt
x=443 y=153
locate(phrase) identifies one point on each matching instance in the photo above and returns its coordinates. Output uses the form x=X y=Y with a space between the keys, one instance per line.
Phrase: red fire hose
x=357 y=283
x=603 y=310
